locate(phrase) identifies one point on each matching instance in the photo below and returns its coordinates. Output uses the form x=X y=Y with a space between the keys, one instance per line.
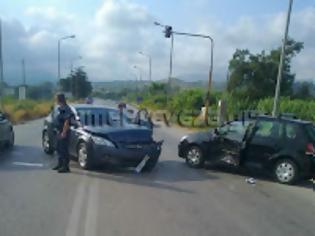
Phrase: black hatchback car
x=101 y=134
x=284 y=147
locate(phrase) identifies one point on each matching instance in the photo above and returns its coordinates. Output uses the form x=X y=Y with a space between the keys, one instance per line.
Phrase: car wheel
x=11 y=140
x=84 y=158
x=48 y=149
x=194 y=157
x=151 y=163
x=286 y=171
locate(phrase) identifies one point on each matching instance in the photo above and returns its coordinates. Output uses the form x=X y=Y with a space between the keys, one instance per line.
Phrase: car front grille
x=136 y=146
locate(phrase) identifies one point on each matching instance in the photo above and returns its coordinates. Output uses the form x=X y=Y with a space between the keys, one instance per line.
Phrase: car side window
x=236 y=132
x=291 y=132
x=268 y=129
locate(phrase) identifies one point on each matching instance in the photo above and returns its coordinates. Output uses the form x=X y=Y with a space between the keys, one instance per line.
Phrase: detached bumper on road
x=128 y=155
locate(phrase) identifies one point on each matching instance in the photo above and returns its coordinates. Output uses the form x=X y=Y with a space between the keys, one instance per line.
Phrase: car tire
x=46 y=143
x=285 y=171
x=84 y=157
x=151 y=163
x=11 y=140
x=194 y=157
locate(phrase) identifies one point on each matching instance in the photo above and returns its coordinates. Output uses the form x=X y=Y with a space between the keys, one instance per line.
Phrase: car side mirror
x=2 y=117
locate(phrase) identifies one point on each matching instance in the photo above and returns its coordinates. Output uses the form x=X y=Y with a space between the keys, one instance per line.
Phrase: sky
x=110 y=34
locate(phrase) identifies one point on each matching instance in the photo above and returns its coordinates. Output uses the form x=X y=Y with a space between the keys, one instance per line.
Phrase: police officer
x=62 y=122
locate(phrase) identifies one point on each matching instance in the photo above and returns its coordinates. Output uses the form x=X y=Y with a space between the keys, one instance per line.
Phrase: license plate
x=142 y=164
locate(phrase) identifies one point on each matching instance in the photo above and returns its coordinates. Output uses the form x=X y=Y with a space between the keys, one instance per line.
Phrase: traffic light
x=168 y=31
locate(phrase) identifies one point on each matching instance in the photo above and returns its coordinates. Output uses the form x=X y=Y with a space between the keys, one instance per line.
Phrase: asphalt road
x=172 y=200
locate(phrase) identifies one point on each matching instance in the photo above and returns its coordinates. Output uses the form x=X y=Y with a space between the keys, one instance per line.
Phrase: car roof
x=286 y=119
x=91 y=106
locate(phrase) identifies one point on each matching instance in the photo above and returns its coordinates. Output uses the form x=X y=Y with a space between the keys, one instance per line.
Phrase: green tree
x=77 y=83
x=253 y=76
x=304 y=90
x=190 y=100
x=42 y=91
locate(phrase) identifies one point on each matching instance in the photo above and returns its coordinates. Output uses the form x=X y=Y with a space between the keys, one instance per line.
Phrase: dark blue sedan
x=101 y=134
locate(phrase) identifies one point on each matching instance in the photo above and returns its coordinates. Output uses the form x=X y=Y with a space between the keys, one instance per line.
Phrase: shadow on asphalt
x=221 y=168
x=163 y=176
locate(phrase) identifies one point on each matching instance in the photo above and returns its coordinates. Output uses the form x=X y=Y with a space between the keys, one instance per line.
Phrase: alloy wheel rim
x=45 y=141
x=285 y=172
x=194 y=156
x=82 y=156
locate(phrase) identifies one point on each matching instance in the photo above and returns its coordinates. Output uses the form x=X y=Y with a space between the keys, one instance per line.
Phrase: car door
x=229 y=141
x=264 y=142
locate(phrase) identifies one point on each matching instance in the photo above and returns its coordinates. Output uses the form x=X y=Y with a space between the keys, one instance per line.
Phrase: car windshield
x=99 y=116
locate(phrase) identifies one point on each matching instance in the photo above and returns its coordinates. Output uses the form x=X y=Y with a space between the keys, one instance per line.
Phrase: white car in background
x=6 y=132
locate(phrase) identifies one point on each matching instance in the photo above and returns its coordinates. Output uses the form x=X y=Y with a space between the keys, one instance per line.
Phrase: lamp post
x=150 y=64
x=140 y=72
x=169 y=33
x=59 y=43
x=276 y=102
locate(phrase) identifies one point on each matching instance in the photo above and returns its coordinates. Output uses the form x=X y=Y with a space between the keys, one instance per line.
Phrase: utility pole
x=171 y=65
x=1 y=67
x=276 y=102
x=23 y=73
x=59 y=43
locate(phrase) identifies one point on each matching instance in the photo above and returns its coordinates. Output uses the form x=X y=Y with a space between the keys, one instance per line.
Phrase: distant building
x=9 y=91
x=22 y=92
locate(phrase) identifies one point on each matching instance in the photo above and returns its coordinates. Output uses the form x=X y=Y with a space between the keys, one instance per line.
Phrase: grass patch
x=25 y=110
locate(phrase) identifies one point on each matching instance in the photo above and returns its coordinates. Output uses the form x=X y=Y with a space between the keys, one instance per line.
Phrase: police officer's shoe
x=64 y=169
x=57 y=167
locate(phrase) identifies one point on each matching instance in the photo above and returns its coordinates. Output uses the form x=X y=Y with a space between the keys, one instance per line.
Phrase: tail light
x=310 y=150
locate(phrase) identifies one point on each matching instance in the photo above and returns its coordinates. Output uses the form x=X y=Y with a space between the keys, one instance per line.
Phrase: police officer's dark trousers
x=63 y=153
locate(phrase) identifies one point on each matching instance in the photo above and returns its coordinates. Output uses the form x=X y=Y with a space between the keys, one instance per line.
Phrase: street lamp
x=140 y=72
x=150 y=64
x=59 y=42
x=169 y=33
x=276 y=102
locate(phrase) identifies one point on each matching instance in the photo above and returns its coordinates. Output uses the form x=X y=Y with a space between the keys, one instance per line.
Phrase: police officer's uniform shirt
x=64 y=113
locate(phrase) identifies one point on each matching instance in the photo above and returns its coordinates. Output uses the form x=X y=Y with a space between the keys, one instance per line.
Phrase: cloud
x=109 y=42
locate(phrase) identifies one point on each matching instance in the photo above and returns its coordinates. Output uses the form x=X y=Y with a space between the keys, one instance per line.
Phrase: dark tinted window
x=234 y=130
x=268 y=129
x=292 y=131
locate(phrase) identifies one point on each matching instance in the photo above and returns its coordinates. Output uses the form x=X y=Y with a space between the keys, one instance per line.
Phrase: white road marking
x=28 y=164
x=92 y=209
x=76 y=210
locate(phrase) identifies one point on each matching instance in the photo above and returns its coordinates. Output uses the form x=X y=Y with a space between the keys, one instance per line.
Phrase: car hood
x=203 y=136
x=125 y=134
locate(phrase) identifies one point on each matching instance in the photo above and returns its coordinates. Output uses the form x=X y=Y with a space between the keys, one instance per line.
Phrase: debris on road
x=251 y=181
x=142 y=164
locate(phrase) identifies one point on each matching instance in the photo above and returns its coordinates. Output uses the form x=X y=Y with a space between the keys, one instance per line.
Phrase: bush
x=303 y=109
x=25 y=110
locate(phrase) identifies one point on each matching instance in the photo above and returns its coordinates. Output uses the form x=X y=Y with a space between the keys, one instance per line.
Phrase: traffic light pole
x=210 y=70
